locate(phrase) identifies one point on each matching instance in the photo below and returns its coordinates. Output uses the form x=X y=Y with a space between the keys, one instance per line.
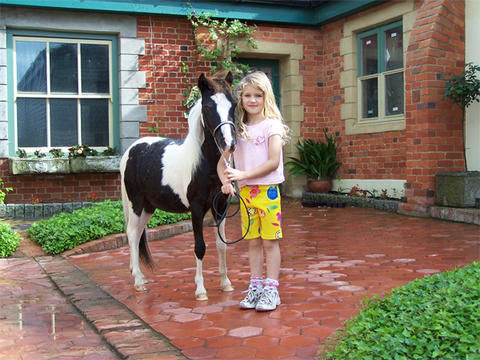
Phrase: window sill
x=89 y=164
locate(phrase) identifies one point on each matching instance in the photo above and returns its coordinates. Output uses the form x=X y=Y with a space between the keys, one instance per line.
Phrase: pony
x=180 y=175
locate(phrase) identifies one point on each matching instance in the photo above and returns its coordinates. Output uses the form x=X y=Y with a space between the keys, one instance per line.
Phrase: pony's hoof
x=227 y=288
x=201 y=297
x=141 y=287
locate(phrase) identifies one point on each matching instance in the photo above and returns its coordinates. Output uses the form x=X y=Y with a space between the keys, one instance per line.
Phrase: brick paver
x=332 y=258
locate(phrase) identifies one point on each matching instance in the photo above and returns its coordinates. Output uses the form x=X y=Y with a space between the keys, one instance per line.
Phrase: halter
x=214 y=132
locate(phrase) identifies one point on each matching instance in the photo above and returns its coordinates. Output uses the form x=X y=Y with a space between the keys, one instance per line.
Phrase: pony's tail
x=144 y=251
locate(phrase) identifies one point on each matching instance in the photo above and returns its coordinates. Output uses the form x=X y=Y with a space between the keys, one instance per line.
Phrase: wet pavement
x=85 y=307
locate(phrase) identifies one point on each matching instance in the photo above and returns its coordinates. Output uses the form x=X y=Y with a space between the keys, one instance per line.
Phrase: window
x=380 y=74
x=63 y=92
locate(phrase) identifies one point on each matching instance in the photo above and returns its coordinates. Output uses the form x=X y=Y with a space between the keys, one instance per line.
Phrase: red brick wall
x=168 y=42
x=432 y=141
x=50 y=188
x=369 y=156
x=434 y=125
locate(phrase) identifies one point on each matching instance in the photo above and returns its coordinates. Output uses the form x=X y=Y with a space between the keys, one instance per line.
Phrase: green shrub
x=435 y=317
x=65 y=231
x=9 y=240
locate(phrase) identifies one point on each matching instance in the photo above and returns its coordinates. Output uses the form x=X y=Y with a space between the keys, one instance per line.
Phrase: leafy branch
x=217 y=42
x=464 y=89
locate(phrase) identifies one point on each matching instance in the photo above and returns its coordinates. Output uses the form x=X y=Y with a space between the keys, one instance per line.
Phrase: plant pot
x=95 y=164
x=47 y=165
x=458 y=189
x=319 y=186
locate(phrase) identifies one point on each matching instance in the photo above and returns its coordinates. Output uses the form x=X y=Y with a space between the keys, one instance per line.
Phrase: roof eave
x=223 y=9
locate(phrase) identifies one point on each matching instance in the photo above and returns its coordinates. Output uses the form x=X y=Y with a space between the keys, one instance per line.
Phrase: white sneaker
x=251 y=300
x=269 y=300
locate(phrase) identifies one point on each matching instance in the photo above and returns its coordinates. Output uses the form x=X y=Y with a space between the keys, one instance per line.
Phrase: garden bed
x=331 y=199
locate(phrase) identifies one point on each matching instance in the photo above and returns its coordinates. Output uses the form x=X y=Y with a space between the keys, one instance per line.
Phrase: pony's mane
x=195 y=123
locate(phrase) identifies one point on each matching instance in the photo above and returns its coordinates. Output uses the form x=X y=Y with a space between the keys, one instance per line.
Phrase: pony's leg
x=197 y=224
x=222 y=258
x=200 y=291
x=135 y=227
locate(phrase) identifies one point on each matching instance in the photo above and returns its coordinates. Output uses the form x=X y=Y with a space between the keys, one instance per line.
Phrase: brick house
x=372 y=72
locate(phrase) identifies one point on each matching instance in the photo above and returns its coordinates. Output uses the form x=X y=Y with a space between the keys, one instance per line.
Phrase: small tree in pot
x=317 y=161
x=461 y=188
x=463 y=90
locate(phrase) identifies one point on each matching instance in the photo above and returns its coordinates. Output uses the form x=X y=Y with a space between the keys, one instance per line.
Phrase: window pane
x=370 y=98
x=394 y=94
x=393 y=49
x=63 y=67
x=32 y=122
x=63 y=122
x=31 y=66
x=95 y=68
x=95 y=122
x=369 y=55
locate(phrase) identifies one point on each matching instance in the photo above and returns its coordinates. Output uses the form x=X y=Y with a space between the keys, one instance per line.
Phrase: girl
x=259 y=169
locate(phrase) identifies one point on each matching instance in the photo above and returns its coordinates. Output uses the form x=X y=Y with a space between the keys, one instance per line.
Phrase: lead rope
x=223 y=216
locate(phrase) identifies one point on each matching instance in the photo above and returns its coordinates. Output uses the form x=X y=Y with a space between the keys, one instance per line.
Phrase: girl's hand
x=228 y=189
x=233 y=174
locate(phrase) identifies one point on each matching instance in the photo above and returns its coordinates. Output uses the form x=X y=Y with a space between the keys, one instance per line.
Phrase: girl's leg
x=273 y=258
x=270 y=298
x=255 y=288
x=255 y=257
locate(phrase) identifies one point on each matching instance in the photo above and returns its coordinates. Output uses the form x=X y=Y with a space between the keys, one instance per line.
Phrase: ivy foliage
x=65 y=231
x=435 y=317
x=219 y=48
x=3 y=191
x=9 y=240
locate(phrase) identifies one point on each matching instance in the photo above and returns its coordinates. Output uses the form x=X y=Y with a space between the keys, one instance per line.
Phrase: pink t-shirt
x=253 y=152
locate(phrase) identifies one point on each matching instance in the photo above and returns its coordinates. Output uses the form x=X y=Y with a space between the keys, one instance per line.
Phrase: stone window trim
x=403 y=11
x=289 y=56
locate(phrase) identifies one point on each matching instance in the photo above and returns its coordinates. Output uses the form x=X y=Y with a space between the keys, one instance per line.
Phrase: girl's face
x=252 y=100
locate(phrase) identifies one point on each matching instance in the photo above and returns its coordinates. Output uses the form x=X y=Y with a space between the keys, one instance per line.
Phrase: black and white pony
x=180 y=175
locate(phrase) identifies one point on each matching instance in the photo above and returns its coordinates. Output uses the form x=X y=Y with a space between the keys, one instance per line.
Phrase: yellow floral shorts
x=263 y=204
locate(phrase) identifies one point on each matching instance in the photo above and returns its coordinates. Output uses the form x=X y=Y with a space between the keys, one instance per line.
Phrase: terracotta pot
x=319 y=186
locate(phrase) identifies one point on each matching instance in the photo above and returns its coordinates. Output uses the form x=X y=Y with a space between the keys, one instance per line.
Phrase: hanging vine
x=217 y=43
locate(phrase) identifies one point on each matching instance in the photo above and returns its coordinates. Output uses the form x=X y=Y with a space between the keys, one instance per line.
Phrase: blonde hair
x=260 y=81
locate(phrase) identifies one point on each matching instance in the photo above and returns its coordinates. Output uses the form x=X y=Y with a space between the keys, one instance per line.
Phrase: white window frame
x=380 y=75
x=78 y=96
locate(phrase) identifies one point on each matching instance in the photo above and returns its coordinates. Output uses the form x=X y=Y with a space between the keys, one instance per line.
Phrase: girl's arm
x=274 y=152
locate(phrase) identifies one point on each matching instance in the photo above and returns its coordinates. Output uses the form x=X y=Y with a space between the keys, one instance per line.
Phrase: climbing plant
x=217 y=42
x=3 y=191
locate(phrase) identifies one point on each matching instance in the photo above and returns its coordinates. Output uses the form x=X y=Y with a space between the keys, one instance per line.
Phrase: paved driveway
x=332 y=258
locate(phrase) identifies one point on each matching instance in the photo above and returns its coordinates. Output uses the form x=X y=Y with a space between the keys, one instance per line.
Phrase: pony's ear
x=203 y=83
x=229 y=78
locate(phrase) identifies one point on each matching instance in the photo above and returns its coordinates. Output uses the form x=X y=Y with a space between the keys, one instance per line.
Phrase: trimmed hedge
x=65 y=231
x=437 y=317
x=9 y=240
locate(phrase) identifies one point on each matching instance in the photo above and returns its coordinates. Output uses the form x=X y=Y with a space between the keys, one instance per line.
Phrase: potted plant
x=461 y=188
x=317 y=161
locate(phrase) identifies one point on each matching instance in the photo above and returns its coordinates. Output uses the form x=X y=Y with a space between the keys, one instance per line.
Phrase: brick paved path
x=331 y=260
